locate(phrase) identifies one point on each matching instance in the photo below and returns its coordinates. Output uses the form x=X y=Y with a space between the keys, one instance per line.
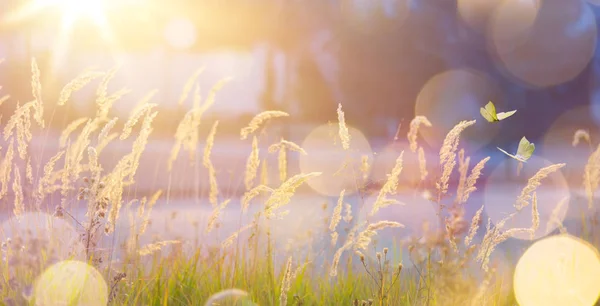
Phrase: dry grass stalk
x=422 y=164
x=146 y=215
x=18 y=191
x=134 y=118
x=493 y=237
x=20 y=122
x=463 y=169
x=207 y=163
x=142 y=103
x=581 y=135
x=29 y=171
x=102 y=90
x=76 y=84
x=46 y=182
x=336 y=257
x=282 y=162
x=125 y=169
x=105 y=141
x=64 y=136
x=414 y=130
x=389 y=188
x=259 y=120
x=534 y=182
x=281 y=147
x=186 y=135
x=365 y=167
x=348 y=215
x=252 y=165
x=474 y=227
x=364 y=238
x=189 y=84
x=109 y=101
x=214 y=217
x=350 y=241
x=535 y=216
x=155 y=247
x=287 y=145
x=337 y=212
x=448 y=154
x=104 y=133
x=282 y=195
x=251 y=194
x=210 y=99
x=554 y=216
x=336 y=217
x=334 y=238
x=472 y=179
x=36 y=91
x=591 y=175
x=4 y=99
x=286 y=283
x=299 y=269
x=77 y=150
x=264 y=172
x=229 y=241
x=343 y=129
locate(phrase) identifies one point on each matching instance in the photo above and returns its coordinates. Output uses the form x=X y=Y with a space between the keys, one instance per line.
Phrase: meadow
x=78 y=232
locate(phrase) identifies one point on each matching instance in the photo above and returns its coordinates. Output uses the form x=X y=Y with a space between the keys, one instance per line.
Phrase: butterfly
x=489 y=113
x=524 y=151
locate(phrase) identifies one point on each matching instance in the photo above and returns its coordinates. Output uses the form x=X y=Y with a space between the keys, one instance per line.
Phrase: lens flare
x=477 y=12
x=71 y=283
x=559 y=270
x=180 y=33
x=543 y=43
x=455 y=95
x=340 y=168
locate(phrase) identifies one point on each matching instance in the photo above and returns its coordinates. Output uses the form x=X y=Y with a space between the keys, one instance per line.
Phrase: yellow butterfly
x=489 y=113
x=524 y=152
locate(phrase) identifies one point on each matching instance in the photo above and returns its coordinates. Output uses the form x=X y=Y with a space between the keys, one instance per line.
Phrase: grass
x=347 y=266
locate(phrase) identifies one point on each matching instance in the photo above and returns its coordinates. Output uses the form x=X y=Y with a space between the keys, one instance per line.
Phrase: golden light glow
x=70 y=14
x=71 y=283
x=326 y=155
x=70 y=11
x=73 y=10
x=559 y=270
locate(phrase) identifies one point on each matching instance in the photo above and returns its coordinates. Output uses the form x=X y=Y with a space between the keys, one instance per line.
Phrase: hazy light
x=453 y=96
x=232 y=297
x=477 y=12
x=180 y=33
x=340 y=168
x=70 y=12
x=559 y=270
x=71 y=283
x=543 y=43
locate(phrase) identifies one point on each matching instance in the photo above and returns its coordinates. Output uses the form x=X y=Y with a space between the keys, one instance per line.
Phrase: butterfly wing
x=526 y=149
x=489 y=112
x=486 y=115
x=504 y=115
x=512 y=156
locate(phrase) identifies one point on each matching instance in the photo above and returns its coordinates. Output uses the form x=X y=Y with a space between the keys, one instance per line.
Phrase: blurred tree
x=312 y=92
x=267 y=98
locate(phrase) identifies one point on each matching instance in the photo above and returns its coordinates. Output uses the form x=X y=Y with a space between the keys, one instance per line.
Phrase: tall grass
x=447 y=266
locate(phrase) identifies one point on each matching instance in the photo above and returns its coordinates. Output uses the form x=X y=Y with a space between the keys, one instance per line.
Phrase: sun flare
x=73 y=10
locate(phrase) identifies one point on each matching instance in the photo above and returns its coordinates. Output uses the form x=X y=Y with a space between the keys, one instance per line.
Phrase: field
x=103 y=213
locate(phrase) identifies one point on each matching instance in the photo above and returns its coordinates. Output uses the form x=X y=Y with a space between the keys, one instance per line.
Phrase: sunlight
x=71 y=10
x=68 y=14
